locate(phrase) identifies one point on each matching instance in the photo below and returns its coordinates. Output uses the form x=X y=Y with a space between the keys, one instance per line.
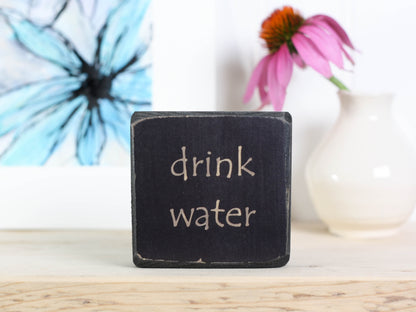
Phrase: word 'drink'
x=219 y=164
x=211 y=189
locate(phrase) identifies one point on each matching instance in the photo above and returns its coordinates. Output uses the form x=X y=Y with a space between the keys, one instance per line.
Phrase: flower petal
x=284 y=73
x=43 y=42
x=319 y=23
x=272 y=81
x=72 y=22
x=347 y=55
x=263 y=92
x=311 y=54
x=133 y=87
x=255 y=78
x=329 y=22
x=284 y=66
x=282 y=97
x=327 y=44
x=35 y=142
x=120 y=41
x=116 y=117
x=19 y=105
x=91 y=137
x=298 y=60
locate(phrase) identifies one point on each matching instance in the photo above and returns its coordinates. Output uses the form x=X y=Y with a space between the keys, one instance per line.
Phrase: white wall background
x=204 y=52
x=220 y=47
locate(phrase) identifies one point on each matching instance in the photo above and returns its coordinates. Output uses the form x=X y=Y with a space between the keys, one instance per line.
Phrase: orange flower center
x=279 y=28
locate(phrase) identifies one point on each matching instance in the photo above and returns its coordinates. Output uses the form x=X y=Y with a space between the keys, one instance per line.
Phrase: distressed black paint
x=157 y=139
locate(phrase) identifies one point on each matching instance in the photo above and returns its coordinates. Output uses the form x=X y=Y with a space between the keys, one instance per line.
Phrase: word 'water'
x=234 y=217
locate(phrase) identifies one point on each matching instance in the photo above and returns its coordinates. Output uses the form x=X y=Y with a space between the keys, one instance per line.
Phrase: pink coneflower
x=290 y=38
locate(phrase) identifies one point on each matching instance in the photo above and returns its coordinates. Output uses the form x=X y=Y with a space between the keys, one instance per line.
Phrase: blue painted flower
x=91 y=99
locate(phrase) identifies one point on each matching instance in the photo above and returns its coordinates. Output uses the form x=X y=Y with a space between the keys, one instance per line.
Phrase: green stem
x=338 y=83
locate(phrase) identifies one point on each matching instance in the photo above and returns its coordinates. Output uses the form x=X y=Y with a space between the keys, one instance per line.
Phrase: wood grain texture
x=245 y=295
x=92 y=271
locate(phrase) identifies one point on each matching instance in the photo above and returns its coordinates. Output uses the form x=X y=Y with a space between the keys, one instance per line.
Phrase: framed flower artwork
x=72 y=73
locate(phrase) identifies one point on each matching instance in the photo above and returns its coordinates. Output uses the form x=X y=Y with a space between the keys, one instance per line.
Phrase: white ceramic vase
x=362 y=177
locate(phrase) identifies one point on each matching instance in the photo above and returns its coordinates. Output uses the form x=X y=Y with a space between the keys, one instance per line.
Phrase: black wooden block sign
x=211 y=189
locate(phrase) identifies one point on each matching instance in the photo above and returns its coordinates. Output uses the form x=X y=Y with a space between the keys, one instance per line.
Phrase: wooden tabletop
x=93 y=271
